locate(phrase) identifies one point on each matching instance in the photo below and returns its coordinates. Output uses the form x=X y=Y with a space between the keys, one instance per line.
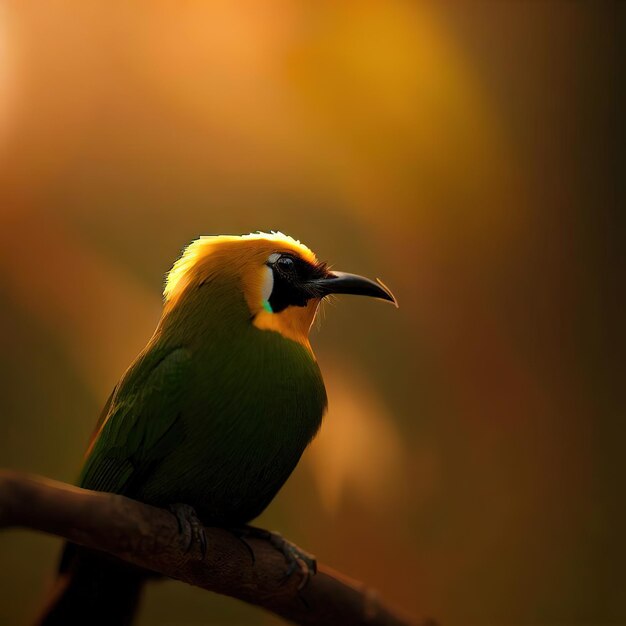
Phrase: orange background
x=469 y=466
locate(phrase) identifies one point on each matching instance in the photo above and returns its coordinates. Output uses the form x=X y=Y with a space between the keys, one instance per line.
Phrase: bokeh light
x=469 y=465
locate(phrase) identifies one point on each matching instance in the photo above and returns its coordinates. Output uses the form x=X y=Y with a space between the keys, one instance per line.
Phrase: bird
x=213 y=415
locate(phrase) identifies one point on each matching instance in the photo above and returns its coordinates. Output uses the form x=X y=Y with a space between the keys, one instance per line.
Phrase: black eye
x=286 y=264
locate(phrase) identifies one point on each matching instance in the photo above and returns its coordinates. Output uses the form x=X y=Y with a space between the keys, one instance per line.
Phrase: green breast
x=246 y=420
x=226 y=429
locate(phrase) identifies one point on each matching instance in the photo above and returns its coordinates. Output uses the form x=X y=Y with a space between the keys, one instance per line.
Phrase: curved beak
x=342 y=282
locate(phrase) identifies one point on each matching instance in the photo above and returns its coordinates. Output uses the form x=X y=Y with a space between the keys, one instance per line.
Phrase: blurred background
x=470 y=464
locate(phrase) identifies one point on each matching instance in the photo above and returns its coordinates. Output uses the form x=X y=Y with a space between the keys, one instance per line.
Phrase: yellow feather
x=244 y=256
x=200 y=248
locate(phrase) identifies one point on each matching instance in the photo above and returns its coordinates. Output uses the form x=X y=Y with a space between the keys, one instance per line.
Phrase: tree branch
x=149 y=537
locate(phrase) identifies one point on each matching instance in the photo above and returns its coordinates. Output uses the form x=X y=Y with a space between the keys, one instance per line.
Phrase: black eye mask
x=294 y=282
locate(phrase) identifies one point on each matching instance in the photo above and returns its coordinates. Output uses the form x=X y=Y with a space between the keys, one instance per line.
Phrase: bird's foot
x=296 y=558
x=189 y=526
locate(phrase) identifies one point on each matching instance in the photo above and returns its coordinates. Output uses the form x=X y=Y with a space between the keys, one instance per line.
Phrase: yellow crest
x=244 y=256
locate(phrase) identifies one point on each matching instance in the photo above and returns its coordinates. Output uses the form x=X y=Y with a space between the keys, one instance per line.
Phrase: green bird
x=213 y=415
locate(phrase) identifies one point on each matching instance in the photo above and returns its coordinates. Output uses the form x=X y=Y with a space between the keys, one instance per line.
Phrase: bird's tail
x=92 y=589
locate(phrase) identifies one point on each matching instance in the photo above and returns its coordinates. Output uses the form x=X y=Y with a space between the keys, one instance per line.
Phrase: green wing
x=142 y=423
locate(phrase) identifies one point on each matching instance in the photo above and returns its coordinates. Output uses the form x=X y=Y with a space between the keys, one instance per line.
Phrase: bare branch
x=148 y=537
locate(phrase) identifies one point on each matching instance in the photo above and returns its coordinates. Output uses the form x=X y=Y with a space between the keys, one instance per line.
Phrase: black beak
x=341 y=282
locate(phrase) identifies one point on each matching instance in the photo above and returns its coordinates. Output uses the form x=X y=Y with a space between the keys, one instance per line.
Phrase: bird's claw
x=296 y=558
x=189 y=526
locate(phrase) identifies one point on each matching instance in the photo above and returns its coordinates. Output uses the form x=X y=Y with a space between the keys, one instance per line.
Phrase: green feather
x=214 y=413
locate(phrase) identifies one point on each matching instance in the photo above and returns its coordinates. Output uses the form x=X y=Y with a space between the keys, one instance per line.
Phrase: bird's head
x=281 y=279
